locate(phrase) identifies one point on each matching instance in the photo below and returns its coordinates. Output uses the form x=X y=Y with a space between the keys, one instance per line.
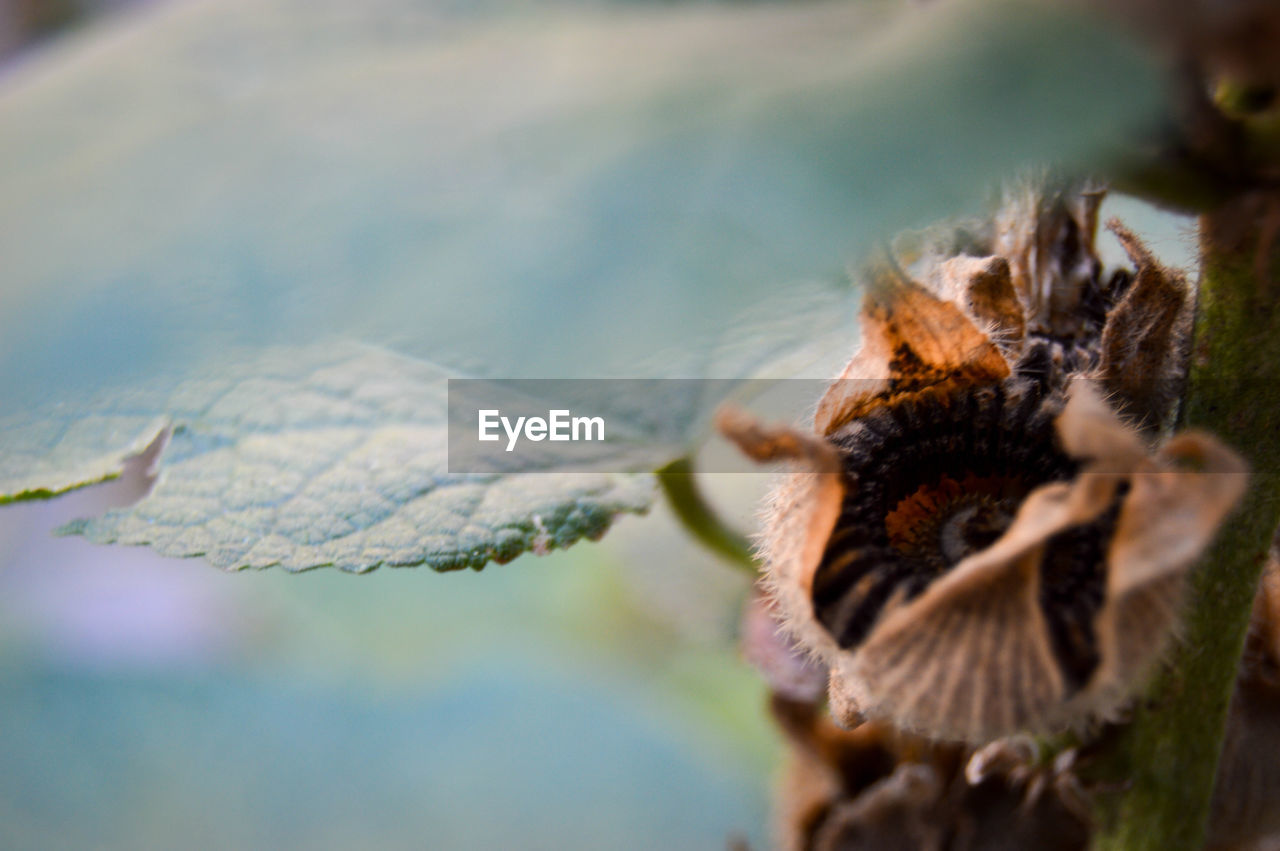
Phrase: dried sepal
x=1144 y=346
x=912 y=342
x=984 y=650
x=777 y=443
x=984 y=285
x=991 y=646
x=801 y=512
x=1089 y=428
x=918 y=666
x=1047 y=236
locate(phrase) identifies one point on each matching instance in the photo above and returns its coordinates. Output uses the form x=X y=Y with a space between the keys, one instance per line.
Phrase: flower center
x=931 y=480
x=934 y=480
x=947 y=521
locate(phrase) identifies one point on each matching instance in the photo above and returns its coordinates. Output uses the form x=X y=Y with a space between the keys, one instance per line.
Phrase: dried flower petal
x=1168 y=518
x=911 y=342
x=985 y=286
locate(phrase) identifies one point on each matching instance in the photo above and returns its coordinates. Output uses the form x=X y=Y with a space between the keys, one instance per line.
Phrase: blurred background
x=522 y=188
x=593 y=699
x=24 y=23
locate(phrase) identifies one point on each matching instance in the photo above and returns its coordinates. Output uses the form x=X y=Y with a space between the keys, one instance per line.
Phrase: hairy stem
x=680 y=487
x=1165 y=760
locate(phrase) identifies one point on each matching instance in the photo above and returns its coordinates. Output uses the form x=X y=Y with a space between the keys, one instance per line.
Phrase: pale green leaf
x=336 y=455
x=59 y=449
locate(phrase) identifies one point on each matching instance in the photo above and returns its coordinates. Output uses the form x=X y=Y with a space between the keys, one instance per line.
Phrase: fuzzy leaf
x=60 y=449
x=336 y=456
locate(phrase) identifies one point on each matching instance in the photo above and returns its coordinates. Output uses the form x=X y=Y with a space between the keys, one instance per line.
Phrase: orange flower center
x=948 y=520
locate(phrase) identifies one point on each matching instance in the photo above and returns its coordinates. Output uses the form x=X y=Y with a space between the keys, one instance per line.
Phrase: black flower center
x=933 y=478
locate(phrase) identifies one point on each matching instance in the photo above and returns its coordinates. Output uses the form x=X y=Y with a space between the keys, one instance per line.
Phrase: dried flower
x=977 y=539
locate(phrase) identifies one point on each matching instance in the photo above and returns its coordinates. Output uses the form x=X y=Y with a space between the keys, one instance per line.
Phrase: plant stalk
x=680 y=486
x=1165 y=760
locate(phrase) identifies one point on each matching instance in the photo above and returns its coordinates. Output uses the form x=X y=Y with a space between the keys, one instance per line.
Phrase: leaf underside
x=331 y=455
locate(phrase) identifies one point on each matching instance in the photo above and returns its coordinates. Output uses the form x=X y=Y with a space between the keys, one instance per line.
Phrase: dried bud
x=872 y=788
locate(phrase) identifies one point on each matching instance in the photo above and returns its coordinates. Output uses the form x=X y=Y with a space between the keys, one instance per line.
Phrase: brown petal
x=1175 y=504
x=968 y=660
x=1169 y=516
x=985 y=286
x=1090 y=430
x=911 y=340
x=800 y=515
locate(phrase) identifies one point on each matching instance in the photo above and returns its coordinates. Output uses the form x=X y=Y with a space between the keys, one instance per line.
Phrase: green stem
x=685 y=498
x=1166 y=759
